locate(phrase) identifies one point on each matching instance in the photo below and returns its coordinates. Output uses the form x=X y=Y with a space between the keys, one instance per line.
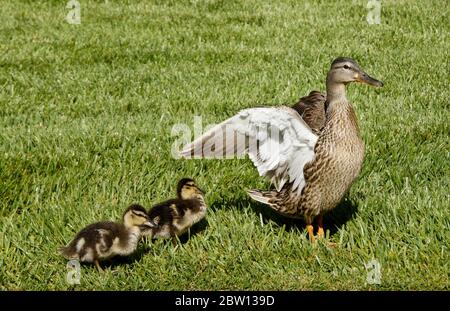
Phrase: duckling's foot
x=174 y=241
x=97 y=264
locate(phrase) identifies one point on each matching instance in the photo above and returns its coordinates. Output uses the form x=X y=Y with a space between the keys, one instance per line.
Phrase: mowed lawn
x=86 y=117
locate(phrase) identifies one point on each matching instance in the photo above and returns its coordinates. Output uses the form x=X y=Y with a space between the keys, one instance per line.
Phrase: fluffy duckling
x=174 y=217
x=103 y=240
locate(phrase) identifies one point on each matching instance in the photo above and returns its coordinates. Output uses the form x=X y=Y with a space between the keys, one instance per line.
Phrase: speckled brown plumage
x=106 y=239
x=339 y=151
x=175 y=216
x=339 y=156
x=312 y=109
x=312 y=152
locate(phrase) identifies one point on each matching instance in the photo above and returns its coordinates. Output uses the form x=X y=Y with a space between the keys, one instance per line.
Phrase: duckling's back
x=174 y=217
x=90 y=240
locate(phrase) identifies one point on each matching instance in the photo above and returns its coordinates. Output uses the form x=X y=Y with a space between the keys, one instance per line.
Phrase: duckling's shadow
x=194 y=230
x=332 y=221
x=141 y=251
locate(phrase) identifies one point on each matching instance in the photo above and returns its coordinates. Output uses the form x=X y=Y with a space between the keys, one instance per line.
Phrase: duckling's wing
x=165 y=212
x=277 y=140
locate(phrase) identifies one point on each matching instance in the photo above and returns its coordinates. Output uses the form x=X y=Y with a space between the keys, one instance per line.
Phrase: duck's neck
x=335 y=97
x=335 y=91
x=339 y=111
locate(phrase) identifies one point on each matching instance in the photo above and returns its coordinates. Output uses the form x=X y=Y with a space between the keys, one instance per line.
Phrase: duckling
x=174 y=217
x=103 y=240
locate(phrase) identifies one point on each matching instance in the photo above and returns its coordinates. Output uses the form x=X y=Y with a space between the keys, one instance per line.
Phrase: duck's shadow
x=332 y=221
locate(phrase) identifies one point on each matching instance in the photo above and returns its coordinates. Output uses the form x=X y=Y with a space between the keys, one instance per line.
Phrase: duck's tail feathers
x=262 y=196
x=278 y=201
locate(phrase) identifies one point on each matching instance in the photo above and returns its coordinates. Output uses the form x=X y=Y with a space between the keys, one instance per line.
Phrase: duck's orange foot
x=320 y=234
x=310 y=230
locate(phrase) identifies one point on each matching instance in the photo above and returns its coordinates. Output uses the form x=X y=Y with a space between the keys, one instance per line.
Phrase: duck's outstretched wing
x=277 y=140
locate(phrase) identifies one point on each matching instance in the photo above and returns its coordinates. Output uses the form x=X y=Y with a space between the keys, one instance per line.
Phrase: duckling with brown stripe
x=175 y=216
x=106 y=239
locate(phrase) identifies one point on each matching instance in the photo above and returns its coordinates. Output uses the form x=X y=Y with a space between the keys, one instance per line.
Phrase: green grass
x=86 y=113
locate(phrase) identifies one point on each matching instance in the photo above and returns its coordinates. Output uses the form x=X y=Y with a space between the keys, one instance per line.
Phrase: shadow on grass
x=194 y=230
x=332 y=221
x=112 y=263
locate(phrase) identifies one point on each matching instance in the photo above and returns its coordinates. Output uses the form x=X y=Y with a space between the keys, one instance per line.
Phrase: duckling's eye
x=346 y=67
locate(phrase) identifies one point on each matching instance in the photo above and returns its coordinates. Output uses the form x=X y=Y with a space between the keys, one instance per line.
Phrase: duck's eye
x=346 y=67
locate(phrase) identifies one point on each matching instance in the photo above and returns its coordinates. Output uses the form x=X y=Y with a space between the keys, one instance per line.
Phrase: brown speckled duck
x=312 y=152
x=175 y=216
x=103 y=240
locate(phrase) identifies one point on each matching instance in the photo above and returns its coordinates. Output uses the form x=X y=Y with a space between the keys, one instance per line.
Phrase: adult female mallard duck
x=312 y=152
x=175 y=216
x=103 y=240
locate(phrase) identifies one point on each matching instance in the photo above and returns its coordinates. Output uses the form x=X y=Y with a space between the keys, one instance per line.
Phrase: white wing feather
x=277 y=140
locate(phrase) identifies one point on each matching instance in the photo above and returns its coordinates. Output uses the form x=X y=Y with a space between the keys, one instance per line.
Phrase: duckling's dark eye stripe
x=140 y=214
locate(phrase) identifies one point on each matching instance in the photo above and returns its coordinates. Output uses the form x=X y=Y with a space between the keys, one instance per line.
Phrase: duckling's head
x=136 y=216
x=345 y=70
x=187 y=189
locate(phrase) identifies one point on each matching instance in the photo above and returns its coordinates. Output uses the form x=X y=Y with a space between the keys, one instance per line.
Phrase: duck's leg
x=97 y=264
x=310 y=229
x=320 y=232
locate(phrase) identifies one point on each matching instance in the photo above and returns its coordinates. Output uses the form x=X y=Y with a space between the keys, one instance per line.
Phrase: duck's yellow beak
x=365 y=78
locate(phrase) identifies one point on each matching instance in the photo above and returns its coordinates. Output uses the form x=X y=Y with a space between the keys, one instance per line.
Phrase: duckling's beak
x=365 y=78
x=201 y=191
x=149 y=224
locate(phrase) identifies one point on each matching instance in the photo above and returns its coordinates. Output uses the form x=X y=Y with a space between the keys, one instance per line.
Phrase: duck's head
x=187 y=189
x=136 y=216
x=345 y=70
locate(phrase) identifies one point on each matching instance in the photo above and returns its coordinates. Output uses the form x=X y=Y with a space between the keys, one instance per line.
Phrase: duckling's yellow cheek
x=188 y=193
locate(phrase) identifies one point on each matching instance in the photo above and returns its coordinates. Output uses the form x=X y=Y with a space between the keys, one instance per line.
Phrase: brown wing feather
x=312 y=109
